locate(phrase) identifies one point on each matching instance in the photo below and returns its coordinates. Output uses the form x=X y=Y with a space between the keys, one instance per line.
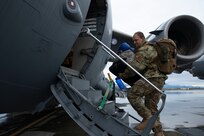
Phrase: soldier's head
x=138 y=39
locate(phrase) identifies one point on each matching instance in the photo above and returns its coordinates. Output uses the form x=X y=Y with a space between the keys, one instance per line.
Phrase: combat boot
x=144 y=123
x=159 y=133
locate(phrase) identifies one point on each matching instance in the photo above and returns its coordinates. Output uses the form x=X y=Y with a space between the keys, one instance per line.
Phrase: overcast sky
x=129 y=16
x=146 y=15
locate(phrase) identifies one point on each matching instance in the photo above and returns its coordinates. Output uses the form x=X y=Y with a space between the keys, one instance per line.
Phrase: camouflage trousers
x=144 y=98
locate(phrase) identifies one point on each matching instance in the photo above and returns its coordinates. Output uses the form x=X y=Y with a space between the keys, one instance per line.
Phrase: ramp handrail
x=109 y=51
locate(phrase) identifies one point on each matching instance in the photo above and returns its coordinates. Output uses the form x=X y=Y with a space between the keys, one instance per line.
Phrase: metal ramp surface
x=81 y=105
x=80 y=101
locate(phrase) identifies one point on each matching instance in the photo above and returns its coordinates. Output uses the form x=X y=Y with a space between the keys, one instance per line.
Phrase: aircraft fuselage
x=35 y=38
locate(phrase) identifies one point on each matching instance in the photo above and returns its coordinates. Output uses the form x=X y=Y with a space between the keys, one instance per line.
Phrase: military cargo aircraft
x=196 y=69
x=45 y=53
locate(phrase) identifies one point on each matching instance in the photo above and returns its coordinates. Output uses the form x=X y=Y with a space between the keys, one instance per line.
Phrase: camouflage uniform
x=128 y=55
x=144 y=63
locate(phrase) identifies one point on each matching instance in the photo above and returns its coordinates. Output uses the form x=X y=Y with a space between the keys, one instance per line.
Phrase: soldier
x=145 y=64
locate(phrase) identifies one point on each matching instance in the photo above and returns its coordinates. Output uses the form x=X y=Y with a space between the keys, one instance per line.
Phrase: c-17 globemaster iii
x=46 y=55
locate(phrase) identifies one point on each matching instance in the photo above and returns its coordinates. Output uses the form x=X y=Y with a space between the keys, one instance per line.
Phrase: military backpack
x=166 y=59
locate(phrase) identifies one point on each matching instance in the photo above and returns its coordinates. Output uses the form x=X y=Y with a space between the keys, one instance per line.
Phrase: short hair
x=140 y=34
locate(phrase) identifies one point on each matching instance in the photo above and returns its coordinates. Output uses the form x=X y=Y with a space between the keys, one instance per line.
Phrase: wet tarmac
x=58 y=123
x=183 y=115
x=54 y=123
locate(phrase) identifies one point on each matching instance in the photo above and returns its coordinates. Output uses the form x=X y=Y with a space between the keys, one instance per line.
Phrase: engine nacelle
x=188 y=34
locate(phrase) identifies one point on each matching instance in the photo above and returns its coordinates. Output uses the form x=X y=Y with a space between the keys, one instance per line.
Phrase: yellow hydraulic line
x=109 y=76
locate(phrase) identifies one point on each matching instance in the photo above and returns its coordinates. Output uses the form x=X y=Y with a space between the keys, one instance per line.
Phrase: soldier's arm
x=141 y=61
x=138 y=64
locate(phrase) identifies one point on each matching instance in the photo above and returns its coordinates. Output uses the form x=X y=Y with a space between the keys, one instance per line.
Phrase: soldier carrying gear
x=126 y=52
x=144 y=62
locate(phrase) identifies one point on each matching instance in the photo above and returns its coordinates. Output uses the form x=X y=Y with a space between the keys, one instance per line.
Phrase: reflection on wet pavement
x=183 y=108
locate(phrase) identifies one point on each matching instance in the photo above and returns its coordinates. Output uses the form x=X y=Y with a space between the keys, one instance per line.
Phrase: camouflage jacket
x=128 y=55
x=144 y=62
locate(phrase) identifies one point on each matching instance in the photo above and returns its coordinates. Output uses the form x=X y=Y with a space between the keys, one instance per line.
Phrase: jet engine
x=188 y=34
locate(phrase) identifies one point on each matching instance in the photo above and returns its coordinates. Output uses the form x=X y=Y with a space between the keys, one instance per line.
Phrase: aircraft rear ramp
x=81 y=105
x=81 y=102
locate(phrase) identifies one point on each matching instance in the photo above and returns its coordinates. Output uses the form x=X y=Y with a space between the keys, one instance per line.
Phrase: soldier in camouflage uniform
x=145 y=64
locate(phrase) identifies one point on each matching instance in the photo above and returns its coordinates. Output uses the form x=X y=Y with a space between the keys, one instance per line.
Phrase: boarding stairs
x=81 y=102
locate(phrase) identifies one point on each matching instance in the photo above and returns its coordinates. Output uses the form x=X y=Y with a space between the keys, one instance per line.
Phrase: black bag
x=119 y=67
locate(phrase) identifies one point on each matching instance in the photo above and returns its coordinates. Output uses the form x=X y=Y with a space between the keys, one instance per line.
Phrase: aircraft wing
x=197 y=68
